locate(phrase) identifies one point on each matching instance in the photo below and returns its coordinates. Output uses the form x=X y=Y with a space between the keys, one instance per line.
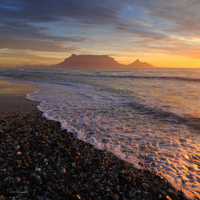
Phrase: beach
x=38 y=160
x=13 y=97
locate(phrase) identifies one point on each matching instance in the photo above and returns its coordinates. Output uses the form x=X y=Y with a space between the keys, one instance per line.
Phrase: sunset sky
x=165 y=33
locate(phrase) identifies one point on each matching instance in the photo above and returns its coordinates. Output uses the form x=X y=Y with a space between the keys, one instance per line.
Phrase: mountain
x=97 y=61
x=88 y=61
x=138 y=64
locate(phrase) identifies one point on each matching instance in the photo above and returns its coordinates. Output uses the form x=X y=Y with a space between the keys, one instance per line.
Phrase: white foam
x=95 y=119
x=102 y=119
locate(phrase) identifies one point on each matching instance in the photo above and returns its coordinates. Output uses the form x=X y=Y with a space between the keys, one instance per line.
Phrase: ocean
x=147 y=117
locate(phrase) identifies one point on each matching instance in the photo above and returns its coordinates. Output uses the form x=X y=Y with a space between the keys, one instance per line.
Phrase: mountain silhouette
x=138 y=64
x=97 y=61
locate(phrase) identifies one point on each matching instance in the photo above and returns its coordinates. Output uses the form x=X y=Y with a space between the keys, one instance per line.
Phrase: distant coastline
x=92 y=62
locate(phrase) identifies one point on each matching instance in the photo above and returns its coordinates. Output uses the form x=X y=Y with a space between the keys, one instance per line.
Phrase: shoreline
x=39 y=160
x=13 y=97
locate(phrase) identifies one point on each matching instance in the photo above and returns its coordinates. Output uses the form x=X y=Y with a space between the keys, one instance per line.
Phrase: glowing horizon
x=164 y=34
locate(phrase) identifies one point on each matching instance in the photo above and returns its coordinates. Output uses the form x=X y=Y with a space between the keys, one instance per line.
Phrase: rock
x=77 y=196
x=19 y=162
x=69 y=169
x=145 y=185
x=173 y=195
x=17 y=179
x=56 y=165
x=37 y=169
x=26 y=164
x=49 y=189
x=74 y=164
x=17 y=147
x=28 y=159
x=18 y=153
x=62 y=171
x=2 y=197
x=114 y=196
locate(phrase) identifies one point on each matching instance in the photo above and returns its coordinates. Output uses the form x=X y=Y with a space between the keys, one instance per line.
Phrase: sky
x=164 y=33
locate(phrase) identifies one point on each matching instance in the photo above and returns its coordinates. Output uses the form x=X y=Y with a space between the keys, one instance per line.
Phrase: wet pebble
x=37 y=169
x=18 y=153
x=62 y=171
x=17 y=179
x=49 y=189
x=74 y=164
x=50 y=163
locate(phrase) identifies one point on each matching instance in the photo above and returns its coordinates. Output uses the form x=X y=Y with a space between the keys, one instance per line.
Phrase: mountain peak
x=139 y=64
x=97 y=61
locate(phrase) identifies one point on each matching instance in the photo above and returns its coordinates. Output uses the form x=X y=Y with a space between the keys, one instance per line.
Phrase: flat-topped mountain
x=88 y=61
x=97 y=61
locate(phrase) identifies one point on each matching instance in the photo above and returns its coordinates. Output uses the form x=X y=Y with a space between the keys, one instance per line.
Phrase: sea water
x=147 y=117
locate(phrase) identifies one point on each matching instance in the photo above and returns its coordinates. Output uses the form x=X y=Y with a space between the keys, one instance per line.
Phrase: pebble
x=145 y=185
x=17 y=179
x=2 y=197
x=62 y=171
x=19 y=162
x=53 y=164
x=18 y=153
x=74 y=164
x=114 y=196
x=17 y=147
x=49 y=189
x=37 y=169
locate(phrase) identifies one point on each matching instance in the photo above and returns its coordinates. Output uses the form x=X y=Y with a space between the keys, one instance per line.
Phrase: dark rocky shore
x=40 y=161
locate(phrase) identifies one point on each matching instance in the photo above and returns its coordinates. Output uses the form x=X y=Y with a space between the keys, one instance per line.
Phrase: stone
x=26 y=164
x=37 y=169
x=56 y=165
x=18 y=153
x=19 y=162
x=114 y=196
x=17 y=179
x=2 y=197
x=62 y=171
x=17 y=147
x=49 y=189
x=74 y=164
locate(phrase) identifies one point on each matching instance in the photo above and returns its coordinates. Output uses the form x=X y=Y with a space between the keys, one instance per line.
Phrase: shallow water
x=149 y=117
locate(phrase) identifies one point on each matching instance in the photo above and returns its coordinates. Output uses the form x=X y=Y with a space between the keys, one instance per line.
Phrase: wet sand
x=40 y=161
x=12 y=97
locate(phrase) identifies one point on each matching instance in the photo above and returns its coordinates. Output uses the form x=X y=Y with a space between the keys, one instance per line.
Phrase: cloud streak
x=95 y=26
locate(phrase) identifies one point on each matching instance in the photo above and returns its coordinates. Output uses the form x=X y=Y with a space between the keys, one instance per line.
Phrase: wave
x=156 y=113
x=162 y=115
x=78 y=74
